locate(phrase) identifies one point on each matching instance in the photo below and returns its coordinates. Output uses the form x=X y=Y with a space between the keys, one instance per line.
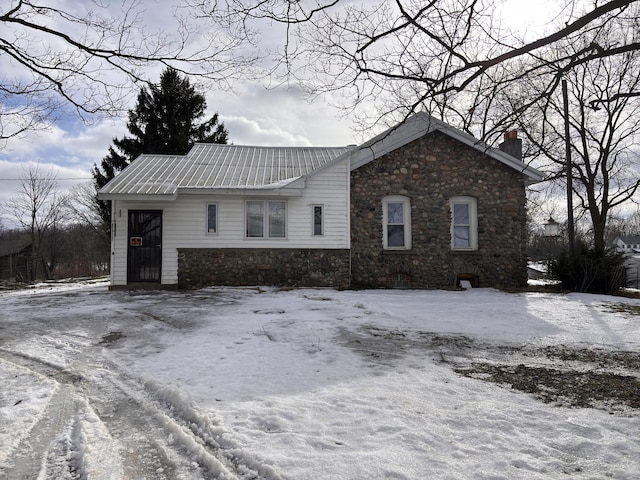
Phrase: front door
x=144 y=259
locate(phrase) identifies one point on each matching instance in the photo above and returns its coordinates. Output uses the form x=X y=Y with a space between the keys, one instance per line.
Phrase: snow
x=23 y=398
x=305 y=384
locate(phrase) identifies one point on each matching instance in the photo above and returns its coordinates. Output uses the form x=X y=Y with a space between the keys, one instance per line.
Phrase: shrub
x=589 y=270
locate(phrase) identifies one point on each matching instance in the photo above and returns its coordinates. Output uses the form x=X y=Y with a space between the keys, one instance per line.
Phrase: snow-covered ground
x=305 y=384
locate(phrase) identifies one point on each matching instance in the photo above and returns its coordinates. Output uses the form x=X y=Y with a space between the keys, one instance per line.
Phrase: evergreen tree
x=164 y=121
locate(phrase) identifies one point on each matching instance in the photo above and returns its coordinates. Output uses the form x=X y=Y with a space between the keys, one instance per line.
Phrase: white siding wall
x=119 y=242
x=184 y=222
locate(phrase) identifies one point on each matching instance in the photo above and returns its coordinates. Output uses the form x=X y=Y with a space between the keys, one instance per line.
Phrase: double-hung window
x=396 y=222
x=464 y=223
x=266 y=218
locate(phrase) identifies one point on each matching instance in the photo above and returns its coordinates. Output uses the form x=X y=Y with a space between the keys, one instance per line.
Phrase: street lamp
x=551 y=228
x=552 y=235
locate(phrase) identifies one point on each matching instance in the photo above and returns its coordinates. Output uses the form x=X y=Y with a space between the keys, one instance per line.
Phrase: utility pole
x=569 y=171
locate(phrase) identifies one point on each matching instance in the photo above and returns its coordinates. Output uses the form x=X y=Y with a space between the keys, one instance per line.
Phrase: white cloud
x=93 y=142
x=255 y=115
x=69 y=155
x=27 y=146
x=244 y=131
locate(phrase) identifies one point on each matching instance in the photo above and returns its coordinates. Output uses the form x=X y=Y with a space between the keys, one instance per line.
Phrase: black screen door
x=144 y=260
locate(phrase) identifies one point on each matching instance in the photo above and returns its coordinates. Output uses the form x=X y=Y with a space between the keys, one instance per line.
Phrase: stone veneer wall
x=429 y=171
x=202 y=267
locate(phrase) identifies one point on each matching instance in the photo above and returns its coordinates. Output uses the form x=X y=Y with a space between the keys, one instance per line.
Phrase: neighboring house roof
x=14 y=246
x=419 y=125
x=210 y=166
x=629 y=239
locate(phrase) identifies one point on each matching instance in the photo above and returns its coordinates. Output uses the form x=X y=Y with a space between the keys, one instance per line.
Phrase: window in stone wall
x=396 y=223
x=464 y=223
x=266 y=218
x=212 y=218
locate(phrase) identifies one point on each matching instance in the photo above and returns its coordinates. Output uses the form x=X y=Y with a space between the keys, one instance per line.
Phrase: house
x=627 y=244
x=16 y=260
x=422 y=205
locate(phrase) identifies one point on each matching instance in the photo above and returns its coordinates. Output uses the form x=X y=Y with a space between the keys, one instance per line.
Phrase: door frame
x=135 y=242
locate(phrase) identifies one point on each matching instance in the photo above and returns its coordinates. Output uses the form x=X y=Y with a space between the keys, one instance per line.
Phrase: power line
x=55 y=179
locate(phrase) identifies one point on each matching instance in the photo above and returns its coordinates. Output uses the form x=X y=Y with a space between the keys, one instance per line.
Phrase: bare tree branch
x=37 y=207
x=393 y=57
x=605 y=142
x=89 y=58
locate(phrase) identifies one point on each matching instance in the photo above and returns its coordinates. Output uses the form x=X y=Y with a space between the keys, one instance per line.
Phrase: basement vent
x=469 y=278
x=400 y=280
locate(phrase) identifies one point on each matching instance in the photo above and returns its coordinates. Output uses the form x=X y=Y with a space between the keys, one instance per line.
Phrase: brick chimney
x=512 y=145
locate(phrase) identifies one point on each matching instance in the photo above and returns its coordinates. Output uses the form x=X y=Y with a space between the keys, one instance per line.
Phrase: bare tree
x=87 y=57
x=452 y=57
x=604 y=121
x=630 y=224
x=84 y=209
x=395 y=56
x=460 y=60
x=38 y=208
x=85 y=214
x=80 y=252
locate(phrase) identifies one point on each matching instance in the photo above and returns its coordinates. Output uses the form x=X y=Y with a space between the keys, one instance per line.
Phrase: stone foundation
x=199 y=267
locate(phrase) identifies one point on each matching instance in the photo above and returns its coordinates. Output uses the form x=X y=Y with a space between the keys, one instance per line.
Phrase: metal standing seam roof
x=215 y=166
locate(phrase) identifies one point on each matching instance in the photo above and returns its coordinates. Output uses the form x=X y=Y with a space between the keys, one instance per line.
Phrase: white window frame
x=207 y=226
x=406 y=218
x=472 y=225
x=266 y=220
x=313 y=220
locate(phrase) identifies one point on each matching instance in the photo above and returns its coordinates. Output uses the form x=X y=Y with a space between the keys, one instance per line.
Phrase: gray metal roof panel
x=214 y=166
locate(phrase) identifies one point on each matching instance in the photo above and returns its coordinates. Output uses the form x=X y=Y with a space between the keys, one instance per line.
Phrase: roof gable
x=422 y=124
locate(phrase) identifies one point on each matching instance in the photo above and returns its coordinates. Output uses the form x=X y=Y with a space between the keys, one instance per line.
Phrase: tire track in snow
x=159 y=435
x=34 y=456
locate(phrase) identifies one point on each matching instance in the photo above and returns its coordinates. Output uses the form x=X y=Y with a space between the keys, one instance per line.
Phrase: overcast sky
x=253 y=115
